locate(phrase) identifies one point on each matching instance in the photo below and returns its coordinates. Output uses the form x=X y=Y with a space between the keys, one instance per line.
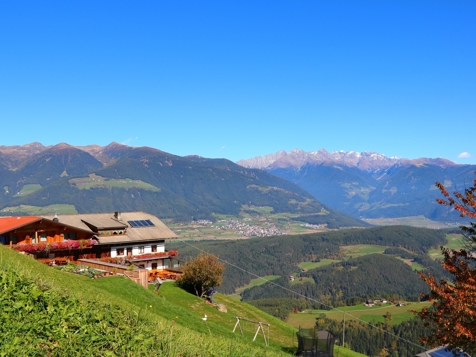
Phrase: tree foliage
x=453 y=313
x=202 y=273
x=373 y=339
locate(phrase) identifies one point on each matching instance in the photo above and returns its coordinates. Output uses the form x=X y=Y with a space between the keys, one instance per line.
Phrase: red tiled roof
x=10 y=223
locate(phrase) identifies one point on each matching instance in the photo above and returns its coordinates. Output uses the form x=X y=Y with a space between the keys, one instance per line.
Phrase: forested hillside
x=281 y=255
x=348 y=282
x=122 y=178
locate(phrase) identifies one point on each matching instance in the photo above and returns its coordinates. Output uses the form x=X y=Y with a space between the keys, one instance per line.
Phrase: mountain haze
x=369 y=184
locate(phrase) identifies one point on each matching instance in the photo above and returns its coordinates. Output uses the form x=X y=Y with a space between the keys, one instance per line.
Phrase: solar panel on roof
x=141 y=223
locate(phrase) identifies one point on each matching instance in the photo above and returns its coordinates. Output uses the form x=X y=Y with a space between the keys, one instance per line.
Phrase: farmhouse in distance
x=136 y=237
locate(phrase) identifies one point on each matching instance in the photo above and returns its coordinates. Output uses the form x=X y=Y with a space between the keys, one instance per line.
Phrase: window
x=14 y=239
x=70 y=235
x=43 y=237
x=141 y=250
x=154 y=248
x=120 y=251
x=154 y=265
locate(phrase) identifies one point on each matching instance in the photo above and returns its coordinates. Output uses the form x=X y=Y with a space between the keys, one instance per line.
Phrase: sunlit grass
x=368 y=314
x=253 y=282
x=36 y=210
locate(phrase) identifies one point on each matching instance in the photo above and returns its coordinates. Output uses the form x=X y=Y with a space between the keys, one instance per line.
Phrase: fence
x=139 y=276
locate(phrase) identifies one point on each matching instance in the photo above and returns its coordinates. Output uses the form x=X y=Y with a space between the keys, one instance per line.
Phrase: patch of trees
x=281 y=255
x=399 y=252
x=281 y=308
x=372 y=340
x=369 y=276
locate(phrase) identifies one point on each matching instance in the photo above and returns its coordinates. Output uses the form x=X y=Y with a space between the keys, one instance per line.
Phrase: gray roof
x=102 y=221
x=440 y=352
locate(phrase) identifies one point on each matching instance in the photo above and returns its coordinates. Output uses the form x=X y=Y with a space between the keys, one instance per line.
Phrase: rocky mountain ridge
x=367 y=161
x=369 y=184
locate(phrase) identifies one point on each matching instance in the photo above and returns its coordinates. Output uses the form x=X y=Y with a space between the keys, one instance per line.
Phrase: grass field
x=302 y=281
x=27 y=189
x=368 y=314
x=413 y=221
x=95 y=181
x=362 y=249
x=253 y=282
x=36 y=210
x=455 y=241
x=323 y=262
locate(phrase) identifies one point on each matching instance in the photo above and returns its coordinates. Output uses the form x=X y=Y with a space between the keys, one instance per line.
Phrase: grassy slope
x=172 y=315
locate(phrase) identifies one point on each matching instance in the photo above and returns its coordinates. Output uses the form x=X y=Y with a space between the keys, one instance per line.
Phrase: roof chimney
x=55 y=218
x=117 y=215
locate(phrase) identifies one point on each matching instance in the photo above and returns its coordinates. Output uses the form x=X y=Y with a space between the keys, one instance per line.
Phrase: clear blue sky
x=237 y=79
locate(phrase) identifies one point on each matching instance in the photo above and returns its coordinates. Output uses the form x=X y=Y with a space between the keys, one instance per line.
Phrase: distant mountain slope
x=13 y=156
x=369 y=185
x=61 y=160
x=142 y=178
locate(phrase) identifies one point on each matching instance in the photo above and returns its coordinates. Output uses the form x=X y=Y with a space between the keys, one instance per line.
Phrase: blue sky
x=238 y=79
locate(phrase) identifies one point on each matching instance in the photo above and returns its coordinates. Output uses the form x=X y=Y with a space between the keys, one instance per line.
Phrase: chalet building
x=138 y=237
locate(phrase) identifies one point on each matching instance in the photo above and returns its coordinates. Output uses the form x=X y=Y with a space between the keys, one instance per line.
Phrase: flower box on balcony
x=34 y=248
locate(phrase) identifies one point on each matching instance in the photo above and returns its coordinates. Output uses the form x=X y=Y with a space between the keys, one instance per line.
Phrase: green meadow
x=36 y=210
x=455 y=241
x=412 y=221
x=95 y=181
x=253 y=282
x=27 y=189
x=368 y=314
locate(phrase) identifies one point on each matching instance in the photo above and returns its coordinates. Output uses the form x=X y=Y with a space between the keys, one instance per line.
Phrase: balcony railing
x=122 y=258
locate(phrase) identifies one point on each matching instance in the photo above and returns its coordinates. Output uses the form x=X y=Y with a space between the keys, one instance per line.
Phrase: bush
x=202 y=273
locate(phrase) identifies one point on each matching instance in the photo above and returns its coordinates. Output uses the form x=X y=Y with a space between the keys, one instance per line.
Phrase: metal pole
x=343 y=332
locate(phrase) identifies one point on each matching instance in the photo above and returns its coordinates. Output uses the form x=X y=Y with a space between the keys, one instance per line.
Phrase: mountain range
x=122 y=178
x=369 y=184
